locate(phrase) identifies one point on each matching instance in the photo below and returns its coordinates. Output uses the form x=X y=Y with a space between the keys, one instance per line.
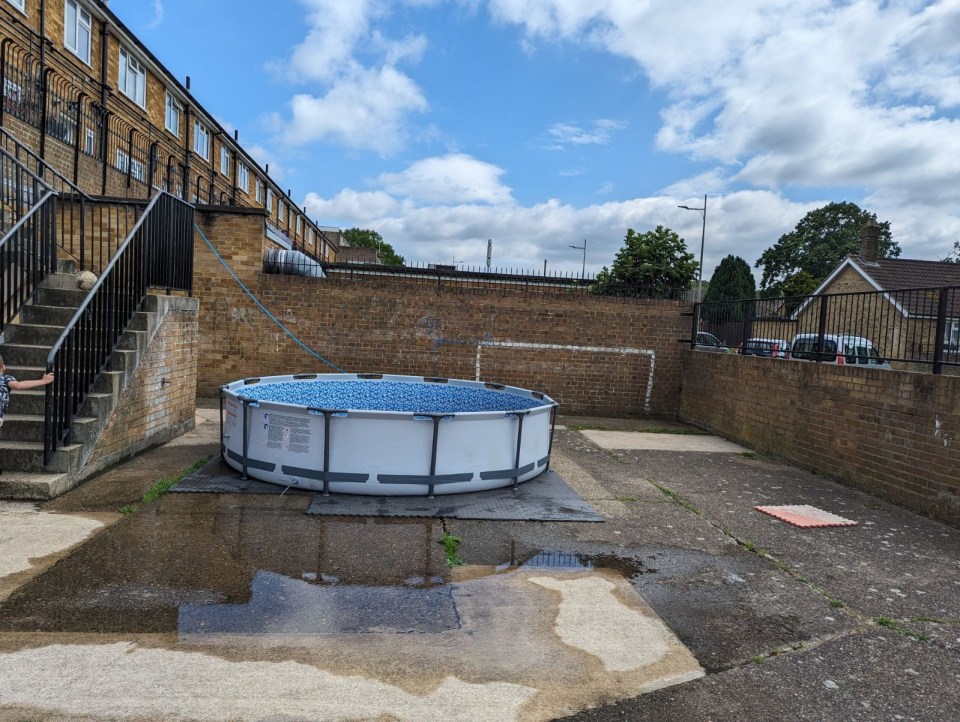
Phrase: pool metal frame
x=430 y=480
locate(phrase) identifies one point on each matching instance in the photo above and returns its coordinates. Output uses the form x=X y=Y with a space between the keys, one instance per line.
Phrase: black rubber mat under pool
x=546 y=498
x=217 y=477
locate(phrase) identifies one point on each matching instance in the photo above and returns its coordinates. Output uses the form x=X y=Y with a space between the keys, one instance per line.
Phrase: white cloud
x=450 y=179
x=600 y=133
x=157 y=14
x=365 y=111
x=364 y=98
x=793 y=93
x=447 y=207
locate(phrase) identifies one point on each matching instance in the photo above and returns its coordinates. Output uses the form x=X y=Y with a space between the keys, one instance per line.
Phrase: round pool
x=385 y=435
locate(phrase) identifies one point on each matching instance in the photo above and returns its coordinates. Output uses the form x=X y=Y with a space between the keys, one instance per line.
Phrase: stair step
x=28 y=456
x=47 y=315
x=27 y=486
x=67 y=297
x=29 y=427
x=31 y=403
x=30 y=334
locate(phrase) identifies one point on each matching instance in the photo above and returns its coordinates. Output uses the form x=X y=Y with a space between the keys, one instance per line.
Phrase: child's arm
x=23 y=385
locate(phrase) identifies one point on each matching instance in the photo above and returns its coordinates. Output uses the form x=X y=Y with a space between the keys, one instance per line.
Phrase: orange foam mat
x=805 y=516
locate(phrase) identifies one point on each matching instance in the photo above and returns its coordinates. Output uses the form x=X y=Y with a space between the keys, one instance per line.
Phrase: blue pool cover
x=417 y=398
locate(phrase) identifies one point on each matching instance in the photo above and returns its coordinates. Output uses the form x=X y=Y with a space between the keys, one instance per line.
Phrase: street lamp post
x=583 y=268
x=703 y=234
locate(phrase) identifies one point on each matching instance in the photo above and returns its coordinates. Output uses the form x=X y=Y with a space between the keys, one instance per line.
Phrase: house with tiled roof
x=897 y=301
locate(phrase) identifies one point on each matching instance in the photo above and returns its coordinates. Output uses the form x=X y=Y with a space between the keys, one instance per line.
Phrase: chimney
x=869 y=241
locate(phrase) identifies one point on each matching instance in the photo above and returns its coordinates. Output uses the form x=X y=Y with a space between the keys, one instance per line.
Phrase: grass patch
x=128 y=508
x=627 y=499
x=164 y=485
x=451 y=544
x=837 y=604
x=679 y=499
x=895 y=626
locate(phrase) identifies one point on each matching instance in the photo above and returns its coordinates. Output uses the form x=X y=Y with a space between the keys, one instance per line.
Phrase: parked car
x=838 y=349
x=709 y=342
x=766 y=347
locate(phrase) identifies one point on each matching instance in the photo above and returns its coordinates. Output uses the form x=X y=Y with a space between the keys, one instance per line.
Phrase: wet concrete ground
x=242 y=607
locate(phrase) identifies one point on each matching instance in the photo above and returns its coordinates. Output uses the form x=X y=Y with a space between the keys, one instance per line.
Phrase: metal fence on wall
x=912 y=328
x=456 y=277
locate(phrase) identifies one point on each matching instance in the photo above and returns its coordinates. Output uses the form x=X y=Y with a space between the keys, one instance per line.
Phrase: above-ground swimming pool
x=385 y=435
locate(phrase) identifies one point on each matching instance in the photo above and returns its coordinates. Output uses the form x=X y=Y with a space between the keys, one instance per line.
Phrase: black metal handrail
x=87 y=229
x=27 y=212
x=157 y=253
x=913 y=327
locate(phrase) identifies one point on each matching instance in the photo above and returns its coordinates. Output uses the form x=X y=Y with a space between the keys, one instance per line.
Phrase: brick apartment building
x=84 y=93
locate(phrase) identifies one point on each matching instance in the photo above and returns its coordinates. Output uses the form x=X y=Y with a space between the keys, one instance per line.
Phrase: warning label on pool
x=289 y=433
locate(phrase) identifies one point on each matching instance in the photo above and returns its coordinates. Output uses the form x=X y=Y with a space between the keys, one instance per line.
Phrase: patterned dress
x=5 y=380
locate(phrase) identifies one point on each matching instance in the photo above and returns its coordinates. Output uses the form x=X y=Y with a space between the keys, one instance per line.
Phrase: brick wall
x=893 y=433
x=159 y=401
x=593 y=355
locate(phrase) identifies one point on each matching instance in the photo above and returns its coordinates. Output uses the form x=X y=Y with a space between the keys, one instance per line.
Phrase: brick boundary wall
x=895 y=434
x=159 y=401
x=593 y=355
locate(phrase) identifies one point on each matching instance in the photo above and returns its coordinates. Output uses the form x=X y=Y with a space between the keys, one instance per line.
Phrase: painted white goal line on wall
x=580 y=349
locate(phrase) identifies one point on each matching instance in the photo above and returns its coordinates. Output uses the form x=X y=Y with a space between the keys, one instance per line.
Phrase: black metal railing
x=27 y=254
x=915 y=328
x=157 y=253
x=459 y=278
x=88 y=230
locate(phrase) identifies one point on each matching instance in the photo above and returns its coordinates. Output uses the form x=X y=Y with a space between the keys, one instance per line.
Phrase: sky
x=546 y=124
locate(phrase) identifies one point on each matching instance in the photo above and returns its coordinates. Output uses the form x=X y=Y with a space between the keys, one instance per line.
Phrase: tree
x=820 y=241
x=654 y=264
x=954 y=255
x=731 y=281
x=366 y=238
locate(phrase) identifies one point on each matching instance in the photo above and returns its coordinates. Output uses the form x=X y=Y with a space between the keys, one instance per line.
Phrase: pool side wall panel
x=384 y=453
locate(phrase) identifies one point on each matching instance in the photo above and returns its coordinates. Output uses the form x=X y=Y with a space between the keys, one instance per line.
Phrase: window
x=951 y=336
x=132 y=79
x=269 y=204
x=62 y=121
x=243 y=177
x=172 y=115
x=281 y=212
x=224 y=161
x=138 y=171
x=259 y=191
x=89 y=142
x=201 y=140
x=19 y=4
x=76 y=29
x=299 y=225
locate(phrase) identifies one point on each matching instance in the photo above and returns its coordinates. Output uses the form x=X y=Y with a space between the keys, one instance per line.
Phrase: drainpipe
x=236 y=157
x=43 y=80
x=104 y=99
x=187 y=135
x=78 y=126
x=3 y=71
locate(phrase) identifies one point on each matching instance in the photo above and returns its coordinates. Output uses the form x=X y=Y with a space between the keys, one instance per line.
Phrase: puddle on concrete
x=236 y=582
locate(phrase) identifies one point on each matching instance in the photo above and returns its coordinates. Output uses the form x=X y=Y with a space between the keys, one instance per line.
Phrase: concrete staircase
x=26 y=344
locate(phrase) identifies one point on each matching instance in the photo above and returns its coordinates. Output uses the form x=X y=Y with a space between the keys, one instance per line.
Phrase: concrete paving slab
x=895 y=564
x=31 y=540
x=861 y=678
x=634 y=440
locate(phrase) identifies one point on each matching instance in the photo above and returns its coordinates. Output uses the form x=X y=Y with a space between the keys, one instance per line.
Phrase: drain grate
x=805 y=516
